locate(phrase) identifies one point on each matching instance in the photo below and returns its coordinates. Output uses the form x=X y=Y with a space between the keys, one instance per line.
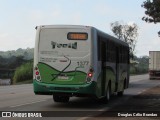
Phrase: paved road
x=22 y=98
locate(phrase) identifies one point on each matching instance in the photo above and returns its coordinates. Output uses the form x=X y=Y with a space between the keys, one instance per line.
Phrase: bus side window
x=111 y=51
x=123 y=54
x=101 y=49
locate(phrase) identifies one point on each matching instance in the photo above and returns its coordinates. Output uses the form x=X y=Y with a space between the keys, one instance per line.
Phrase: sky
x=18 y=19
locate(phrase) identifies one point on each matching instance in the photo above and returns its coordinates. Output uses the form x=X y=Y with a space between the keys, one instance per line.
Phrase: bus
x=81 y=61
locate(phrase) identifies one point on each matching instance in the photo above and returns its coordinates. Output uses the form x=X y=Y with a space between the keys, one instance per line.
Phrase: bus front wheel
x=58 y=98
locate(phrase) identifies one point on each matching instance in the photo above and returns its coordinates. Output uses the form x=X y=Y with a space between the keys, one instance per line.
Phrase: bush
x=24 y=72
x=132 y=70
x=138 y=70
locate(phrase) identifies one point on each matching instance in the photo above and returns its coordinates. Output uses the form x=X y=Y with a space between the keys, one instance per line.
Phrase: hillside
x=14 y=58
x=11 y=60
x=26 y=53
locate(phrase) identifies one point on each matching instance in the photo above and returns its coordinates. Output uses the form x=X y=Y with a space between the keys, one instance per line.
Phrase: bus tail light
x=89 y=75
x=37 y=74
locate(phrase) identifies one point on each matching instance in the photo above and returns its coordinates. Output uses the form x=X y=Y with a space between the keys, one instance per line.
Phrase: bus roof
x=64 y=26
x=116 y=40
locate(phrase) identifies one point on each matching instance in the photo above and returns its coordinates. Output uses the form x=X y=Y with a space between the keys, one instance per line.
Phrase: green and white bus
x=82 y=61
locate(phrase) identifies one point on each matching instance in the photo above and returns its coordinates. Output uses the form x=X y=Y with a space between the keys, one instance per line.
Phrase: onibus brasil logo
x=61 y=45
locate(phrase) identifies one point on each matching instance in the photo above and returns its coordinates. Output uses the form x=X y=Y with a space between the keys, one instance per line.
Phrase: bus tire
x=108 y=93
x=120 y=93
x=58 y=98
x=106 y=99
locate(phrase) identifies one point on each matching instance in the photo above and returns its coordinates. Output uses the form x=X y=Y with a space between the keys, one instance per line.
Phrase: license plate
x=63 y=77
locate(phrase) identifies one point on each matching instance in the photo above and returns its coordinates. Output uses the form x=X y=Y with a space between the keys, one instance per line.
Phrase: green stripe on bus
x=49 y=75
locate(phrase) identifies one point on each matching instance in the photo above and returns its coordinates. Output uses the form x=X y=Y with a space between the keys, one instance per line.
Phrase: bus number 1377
x=82 y=63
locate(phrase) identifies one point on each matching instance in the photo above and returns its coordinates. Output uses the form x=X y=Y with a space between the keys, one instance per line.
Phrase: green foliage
x=24 y=72
x=10 y=60
x=152 y=11
x=141 y=67
x=127 y=33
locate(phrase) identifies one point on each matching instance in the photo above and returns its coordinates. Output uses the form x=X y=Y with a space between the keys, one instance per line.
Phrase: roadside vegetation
x=17 y=65
x=140 y=65
x=24 y=73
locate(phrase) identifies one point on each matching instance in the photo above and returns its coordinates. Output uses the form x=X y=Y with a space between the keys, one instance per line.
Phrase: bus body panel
x=63 y=61
x=63 y=65
x=113 y=63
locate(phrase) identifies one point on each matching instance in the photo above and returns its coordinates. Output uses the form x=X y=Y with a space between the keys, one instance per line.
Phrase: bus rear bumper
x=69 y=90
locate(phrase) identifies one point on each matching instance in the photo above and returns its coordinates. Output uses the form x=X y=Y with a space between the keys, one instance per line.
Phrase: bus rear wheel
x=58 y=98
x=108 y=95
x=120 y=93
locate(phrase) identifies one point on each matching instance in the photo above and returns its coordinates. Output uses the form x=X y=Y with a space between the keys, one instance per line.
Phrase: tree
x=127 y=33
x=152 y=11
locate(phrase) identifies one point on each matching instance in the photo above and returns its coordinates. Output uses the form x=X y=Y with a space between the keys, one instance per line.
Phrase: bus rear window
x=77 y=36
